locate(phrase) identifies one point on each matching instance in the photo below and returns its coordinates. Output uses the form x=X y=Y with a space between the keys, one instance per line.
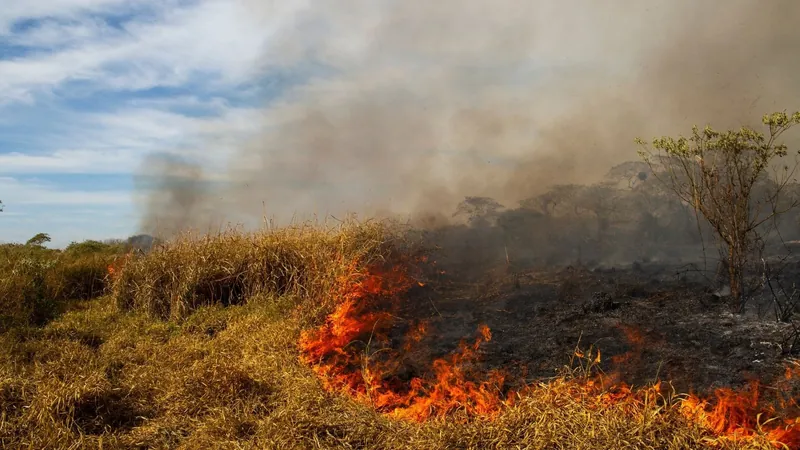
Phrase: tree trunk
x=735 y=275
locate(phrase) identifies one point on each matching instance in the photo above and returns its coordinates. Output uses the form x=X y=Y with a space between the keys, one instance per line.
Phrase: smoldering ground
x=420 y=104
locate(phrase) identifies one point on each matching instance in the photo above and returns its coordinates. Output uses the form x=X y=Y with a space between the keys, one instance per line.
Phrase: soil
x=650 y=321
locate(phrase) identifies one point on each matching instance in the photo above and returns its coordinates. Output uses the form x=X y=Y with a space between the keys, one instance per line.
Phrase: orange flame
x=415 y=336
x=738 y=415
x=117 y=265
x=340 y=353
x=451 y=388
x=350 y=354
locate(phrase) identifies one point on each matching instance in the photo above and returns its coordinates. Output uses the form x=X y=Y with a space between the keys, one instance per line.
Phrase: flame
x=740 y=414
x=117 y=265
x=415 y=336
x=352 y=353
x=349 y=354
x=453 y=387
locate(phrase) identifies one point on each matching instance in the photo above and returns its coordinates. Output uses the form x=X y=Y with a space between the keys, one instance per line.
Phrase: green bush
x=91 y=247
x=36 y=281
x=23 y=293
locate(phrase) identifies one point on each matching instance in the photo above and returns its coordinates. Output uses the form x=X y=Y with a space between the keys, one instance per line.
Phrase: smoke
x=413 y=105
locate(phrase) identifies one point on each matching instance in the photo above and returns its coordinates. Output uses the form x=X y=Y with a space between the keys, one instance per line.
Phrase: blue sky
x=88 y=88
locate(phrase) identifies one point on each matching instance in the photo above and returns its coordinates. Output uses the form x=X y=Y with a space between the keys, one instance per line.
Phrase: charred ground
x=648 y=320
x=620 y=266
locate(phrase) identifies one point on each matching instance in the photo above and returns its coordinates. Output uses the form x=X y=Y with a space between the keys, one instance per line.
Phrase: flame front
x=349 y=355
x=352 y=353
x=739 y=415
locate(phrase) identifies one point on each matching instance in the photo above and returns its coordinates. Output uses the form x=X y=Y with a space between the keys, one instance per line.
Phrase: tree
x=628 y=174
x=561 y=194
x=479 y=210
x=721 y=175
x=38 y=240
x=600 y=200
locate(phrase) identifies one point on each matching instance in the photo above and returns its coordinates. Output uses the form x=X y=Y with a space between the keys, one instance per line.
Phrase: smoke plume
x=410 y=106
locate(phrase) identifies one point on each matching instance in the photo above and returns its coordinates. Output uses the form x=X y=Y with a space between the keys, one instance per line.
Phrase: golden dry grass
x=300 y=262
x=160 y=364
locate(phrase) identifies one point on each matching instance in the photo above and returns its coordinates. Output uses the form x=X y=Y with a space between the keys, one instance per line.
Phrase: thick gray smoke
x=420 y=103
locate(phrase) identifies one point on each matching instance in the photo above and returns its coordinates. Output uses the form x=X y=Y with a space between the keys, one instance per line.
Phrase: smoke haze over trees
x=410 y=107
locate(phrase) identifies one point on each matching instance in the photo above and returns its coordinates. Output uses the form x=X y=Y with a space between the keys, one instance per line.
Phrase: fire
x=116 y=266
x=350 y=354
x=636 y=339
x=353 y=353
x=738 y=415
x=415 y=336
x=453 y=387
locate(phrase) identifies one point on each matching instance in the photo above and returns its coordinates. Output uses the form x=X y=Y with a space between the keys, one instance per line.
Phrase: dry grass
x=300 y=262
x=36 y=281
x=229 y=376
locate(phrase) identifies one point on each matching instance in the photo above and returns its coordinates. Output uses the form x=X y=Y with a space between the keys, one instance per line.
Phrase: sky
x=89 y=88
x=280 y=107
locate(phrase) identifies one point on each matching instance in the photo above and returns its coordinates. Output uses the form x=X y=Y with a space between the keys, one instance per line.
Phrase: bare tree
x=717 y=174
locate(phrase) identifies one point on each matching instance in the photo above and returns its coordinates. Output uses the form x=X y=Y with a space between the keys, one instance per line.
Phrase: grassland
x=194 y=345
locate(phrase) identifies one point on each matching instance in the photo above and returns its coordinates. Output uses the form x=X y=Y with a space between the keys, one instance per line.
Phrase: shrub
x=35 y=281
x=22 y=283
x=91 y=247
x=727 y=178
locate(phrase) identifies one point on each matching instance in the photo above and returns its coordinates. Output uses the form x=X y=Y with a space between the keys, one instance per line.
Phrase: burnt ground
x=660 y=321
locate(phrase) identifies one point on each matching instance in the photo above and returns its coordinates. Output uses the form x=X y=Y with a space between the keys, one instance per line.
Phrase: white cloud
x=16 y=192
x=68 y=161
x=52 y=34
x=218 y=41
x=116 y=142
x=165 y=126
x=15 y=10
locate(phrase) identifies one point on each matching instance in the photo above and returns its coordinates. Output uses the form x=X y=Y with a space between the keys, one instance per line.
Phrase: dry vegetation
x=196 y=348
x=298 y=263
x=35 y=282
